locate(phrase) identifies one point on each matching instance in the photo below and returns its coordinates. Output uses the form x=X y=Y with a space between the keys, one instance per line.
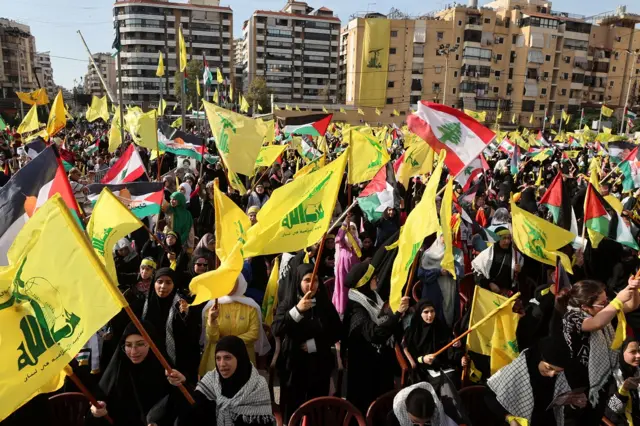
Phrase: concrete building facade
x=107 y=65
x=17 y=63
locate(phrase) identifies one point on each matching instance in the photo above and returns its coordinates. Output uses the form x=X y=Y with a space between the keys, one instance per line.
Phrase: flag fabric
x=481 y=340
x=268 y=155
x=313 y=166
x=57 y=116
x=515 y=158
x=231 y=224
x=216 y=99
x=553 y=119
x=93 y=148
x=366 y=156
x=305 y=148
x=37 y=97
x=3 y=125
x=177 y=123
x=630 y=168
x=235 y=181
x=115 y=136
x=378 y=112
x=160 y=69
x=207 y=77
x=116 y=44
x=539 y=239
x=298 y=213
x=448 y=129
x=478 y=116
x=470 y=174
x=601 y=218
x=162 y=105
x=270 y=300
x=141 y=198
x=110 y=221
x=556 y=199
x=312 y=124
x=297 y=108
x=606 y=111
x=507 y=146
x=56 y=295
x=27 y=190
x=238 y=138
x=565 y=117
x=560 y=277
x=620 y=150
x=342 y=110
x=35 y=147
x=631 y=115
x=287 y=108
x=142 y=127
x=379 y=194
x=448 y=262
x=98 y=109
x=360 y=111
x=421 y=222
x=30 y=121
x=128 y=168
x=183 y=50
x=219 y=282
x=325 y=110
x=259 y=107
x=178 y=142
x=244 y=105
x=395 y=113
x=219 y=77
x=513 y=118
x=416 y=160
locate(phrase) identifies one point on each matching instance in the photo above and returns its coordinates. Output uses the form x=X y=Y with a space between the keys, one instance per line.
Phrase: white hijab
x=187 y=190
x=262 y=345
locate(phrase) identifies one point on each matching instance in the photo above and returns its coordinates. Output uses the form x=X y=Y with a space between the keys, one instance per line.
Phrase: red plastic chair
x=404 y=366
x=68 y=409
x=327 y=410
x=607 y=422
x=380 y=409
x=416 y=291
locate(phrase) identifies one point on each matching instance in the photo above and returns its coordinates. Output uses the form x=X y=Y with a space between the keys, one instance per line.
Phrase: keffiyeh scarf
x=439 y=417
x=170 y=342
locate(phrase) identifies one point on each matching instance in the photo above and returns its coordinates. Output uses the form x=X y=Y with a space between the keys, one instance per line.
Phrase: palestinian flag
x=471 y=172
x=35 y=147
x=128 y=168
x=631 y=115
x=515 y=158
x=311 y=124
x=29 y=189
x=179 y=143
x=93 y=148
x=631 y=170
x=68 y=159
x=142 y=198
x=380 y=194
x=443 y=127
x=557 y=200
x=619 y=151
x=601 y=218
x=541 y=140
x=469 y=195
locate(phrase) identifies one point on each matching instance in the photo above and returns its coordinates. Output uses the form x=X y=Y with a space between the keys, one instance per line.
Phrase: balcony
x=474 y=26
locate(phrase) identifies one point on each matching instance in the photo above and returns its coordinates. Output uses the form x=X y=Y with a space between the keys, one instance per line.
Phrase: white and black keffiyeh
x=512 y=386
x=252 y=402
x=481 y=264
x=169 y=340
x=615 y=404
x=373 y=309
x=602 y=361
x=439 y=417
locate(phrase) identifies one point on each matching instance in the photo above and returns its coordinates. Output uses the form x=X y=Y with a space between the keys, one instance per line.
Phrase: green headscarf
x=182 y=220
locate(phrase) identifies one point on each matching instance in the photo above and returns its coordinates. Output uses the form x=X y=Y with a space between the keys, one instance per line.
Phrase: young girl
x=624 y=404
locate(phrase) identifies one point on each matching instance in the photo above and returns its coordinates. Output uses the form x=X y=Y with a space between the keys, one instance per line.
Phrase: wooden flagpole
x=76 y=380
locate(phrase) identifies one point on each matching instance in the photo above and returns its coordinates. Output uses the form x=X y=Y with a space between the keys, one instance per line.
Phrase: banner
x=375 y=63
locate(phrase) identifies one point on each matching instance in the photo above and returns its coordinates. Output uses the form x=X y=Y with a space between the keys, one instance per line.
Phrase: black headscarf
x=354 y=276
x=626 y=369
x=236 y=347
x=528 y=200
x=423 y=338
x=133 y=389
x=158 y=308
x=197 y=255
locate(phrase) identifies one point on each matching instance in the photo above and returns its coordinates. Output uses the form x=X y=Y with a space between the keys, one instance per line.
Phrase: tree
x=194 y=70
x=258 y=94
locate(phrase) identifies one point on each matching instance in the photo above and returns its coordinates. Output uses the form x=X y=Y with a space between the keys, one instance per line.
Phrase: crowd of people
x=566 y=373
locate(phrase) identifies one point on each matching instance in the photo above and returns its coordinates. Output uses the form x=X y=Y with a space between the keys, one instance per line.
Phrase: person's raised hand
x=305 y=303
x=404 y=305
x=100 y=410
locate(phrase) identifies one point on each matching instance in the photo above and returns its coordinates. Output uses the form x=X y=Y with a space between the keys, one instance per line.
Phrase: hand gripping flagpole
x=76 y=380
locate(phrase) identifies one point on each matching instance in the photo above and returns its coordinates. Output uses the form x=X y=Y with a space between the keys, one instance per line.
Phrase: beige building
x=150 y=26
x=518 y=56
x=295 y=50
x=107 y=65
x=44 y=73
x=17 y=63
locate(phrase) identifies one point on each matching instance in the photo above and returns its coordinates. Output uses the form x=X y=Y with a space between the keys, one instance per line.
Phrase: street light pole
x=626 y=100
x=445 y=50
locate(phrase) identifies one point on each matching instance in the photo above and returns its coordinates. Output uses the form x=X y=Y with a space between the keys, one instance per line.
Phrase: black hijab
x=236 y=347
x=424 y=338
x=626 y=369
x=158 y=308
x=356 y=274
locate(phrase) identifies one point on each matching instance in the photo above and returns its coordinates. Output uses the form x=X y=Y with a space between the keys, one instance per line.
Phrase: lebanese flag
x=312 y=124
x=471 y=172
x=128 y=168
x=506 y=146
x=600 y=217
x=557 y=200
x=380 y=194
x=443 y=127
x=31 y=186
x=142 y=198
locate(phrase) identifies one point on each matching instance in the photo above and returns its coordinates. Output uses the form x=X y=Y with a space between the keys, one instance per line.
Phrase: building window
x=394 y=33
x=514 y=39
x=457 y=57
x=458 y=40
x=487 y=20
x=510 y=73
x=565 y=76
x=435 y=87
x=496 y=89
x=611 y=84
x=455 y=73
x=499 y=56
x=547 y=58
x=390 y=84
x=528 y=106
x=392 y=67
x=563 y=92
x=541 y=107
x=496 y=73
x=392 y=51
x=453 y=90
x=438 y=69
x=389 y=101
x=613 y=69
x=459 y=23
x=440 y=35
x=543 y=91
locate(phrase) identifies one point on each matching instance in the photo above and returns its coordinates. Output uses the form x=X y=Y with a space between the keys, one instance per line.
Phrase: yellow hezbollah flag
x=396 y=112
x=566 y=117
x=375 y=62
x=288 y=108
x=448 y=262
x=160 y=70
x=55 y=296
x=220 y=282
x=30 y=121
x=378 y=112
x=270 y=135
x=183 y=50
x=219 y=77
x=270 y=300
x=235 y=181
x=478 y=116
x=110 y=221
x=360 y=111
x=142 y=128
x=98 y=109
x=297 y=214
x=37 y=97
x=366 y=156
x=115 y=137
x=259 y=107
x=325 y=110
x=531 y=119
x=269 y=154
x=316 y=164
x=231 y=223
x=162 y=105
x=342 y=110
x=244 y=105
x=57 y=116
x=606 y=111
x=513 y=118
x=499 y=310
x=238 y=138
x=553 y=119
x=416 y=160
x=539 y=239
x=216 y=97
x=422 y=222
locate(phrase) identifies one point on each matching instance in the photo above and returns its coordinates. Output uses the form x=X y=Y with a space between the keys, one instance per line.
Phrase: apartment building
x=514 y=56
x=237 y=62
x=150 y=26
x=295 y=50
x=17 y=63
x=107 y=66
x=44 y=73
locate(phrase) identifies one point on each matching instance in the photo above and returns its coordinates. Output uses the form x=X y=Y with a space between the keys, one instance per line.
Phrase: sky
x=55 y=23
